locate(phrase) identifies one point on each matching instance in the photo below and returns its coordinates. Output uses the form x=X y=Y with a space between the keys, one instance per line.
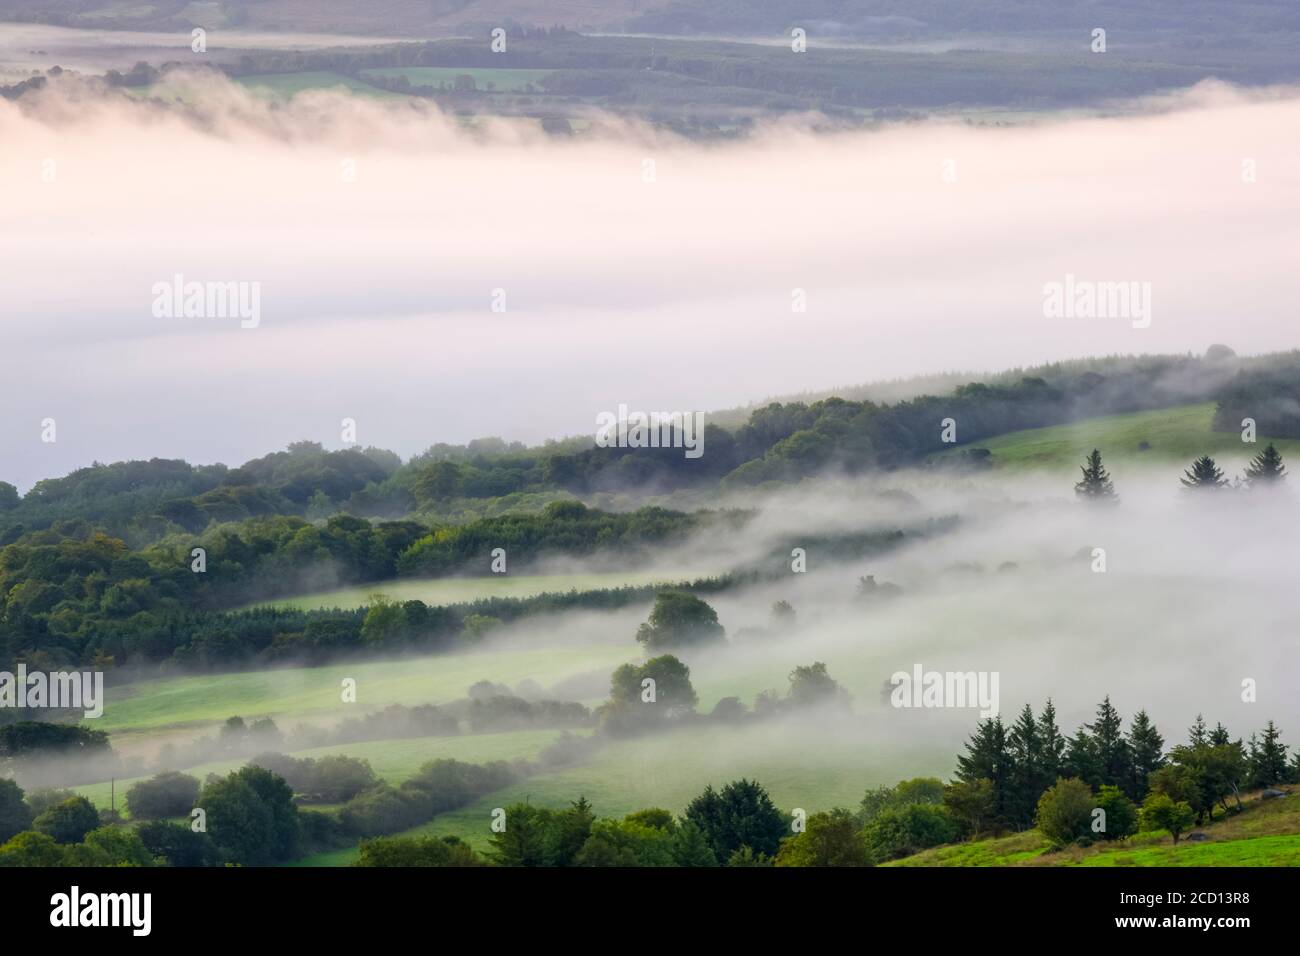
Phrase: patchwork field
x=501 y=81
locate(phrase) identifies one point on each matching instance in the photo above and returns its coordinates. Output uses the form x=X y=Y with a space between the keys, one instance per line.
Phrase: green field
x=435 y=591
x=669 y=770
x=392 y=760
x=1266 y=834
x=199 y=702
x=1176 y=436
x=285 y=85
x=502 y=81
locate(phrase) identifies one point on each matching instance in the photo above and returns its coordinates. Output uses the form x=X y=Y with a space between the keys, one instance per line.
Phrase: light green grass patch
x=1176 y=436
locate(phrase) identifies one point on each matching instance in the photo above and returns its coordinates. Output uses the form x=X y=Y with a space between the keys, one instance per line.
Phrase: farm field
x=502 y=81
x=435 y=591
x=1176 y=435
x=285 y=85
x=392 y=760
x=300 y=692
x=669 y=770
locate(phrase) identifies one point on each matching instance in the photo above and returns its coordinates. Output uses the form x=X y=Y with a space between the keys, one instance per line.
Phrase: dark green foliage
x=1095 y=484
x=1204 y=475
x=902 y=831
x=69 y=821
x=678 y=620
x=15 y=814
x=741 y=814
x=251 y=817
x=178 y=844
x=1266 y=468
x=417 y=851
x=169 y=794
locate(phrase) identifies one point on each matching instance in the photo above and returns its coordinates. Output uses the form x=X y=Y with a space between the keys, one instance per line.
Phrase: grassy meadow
x=1175 y=436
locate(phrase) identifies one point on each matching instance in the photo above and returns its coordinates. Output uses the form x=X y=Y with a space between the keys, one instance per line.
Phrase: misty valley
x=494 y=436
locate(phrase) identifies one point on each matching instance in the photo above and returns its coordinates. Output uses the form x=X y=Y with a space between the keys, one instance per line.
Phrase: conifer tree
x=1219 y=736
x=1096 y=484
x=1268 y=758
x=986 y=758
x=1148 y=750
x=1053 y=744
x=1266 y=468
x=1196 y=734
x=1114 y=760
x=1025 y=747
x=1204 y=475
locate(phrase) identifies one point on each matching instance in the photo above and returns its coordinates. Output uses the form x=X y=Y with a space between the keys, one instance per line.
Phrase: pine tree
x=1053 y=744
x=1219 y=736
x=1204 y=475
x=1081 y=759
x=1196 y=734
x=987 y=759
x=1266 y=468
x=1268 y=758
x=1113 y=757
x=1096 y=484
x=1025 y=747
x=1148 y=750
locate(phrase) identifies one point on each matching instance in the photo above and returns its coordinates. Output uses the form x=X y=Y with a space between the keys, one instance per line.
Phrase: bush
x=69 y=821
x=1121 y=814
x=1065 y=811
x=418 y=851
x=902 y=831
x=177 y=845
x=169 y=794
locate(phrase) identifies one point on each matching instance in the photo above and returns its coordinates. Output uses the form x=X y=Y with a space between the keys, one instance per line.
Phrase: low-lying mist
x=625 y=265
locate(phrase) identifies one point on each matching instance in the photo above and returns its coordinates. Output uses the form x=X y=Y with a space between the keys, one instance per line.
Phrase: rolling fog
x=1191 y=604
x=378 y=235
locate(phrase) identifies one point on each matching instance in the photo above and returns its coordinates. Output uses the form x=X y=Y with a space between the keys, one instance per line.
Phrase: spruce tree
x=1266 y=468
x=1025 y=747
x=1053 y=744
x=986 y=758
x=1096 y=484
x=1148 y=750
x=1204 y=475
x=1268 y=758
x=1219 y=736
x=1196 y=734
x=1081 y=759
x=1113 y=757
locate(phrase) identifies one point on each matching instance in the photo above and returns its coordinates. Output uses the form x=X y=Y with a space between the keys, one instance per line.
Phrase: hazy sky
x=920 y=248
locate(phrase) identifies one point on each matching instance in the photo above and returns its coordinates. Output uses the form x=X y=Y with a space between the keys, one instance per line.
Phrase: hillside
x=1175 y=436
x=1266 y=833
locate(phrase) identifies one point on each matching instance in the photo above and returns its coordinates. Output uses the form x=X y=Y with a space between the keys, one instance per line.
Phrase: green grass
x=669 y=770
x=392 y=760
x=315 y=691
x=285 y=85
x=504 y=81
x=1267 y=833
x=459 y=590
x=1176 y=436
